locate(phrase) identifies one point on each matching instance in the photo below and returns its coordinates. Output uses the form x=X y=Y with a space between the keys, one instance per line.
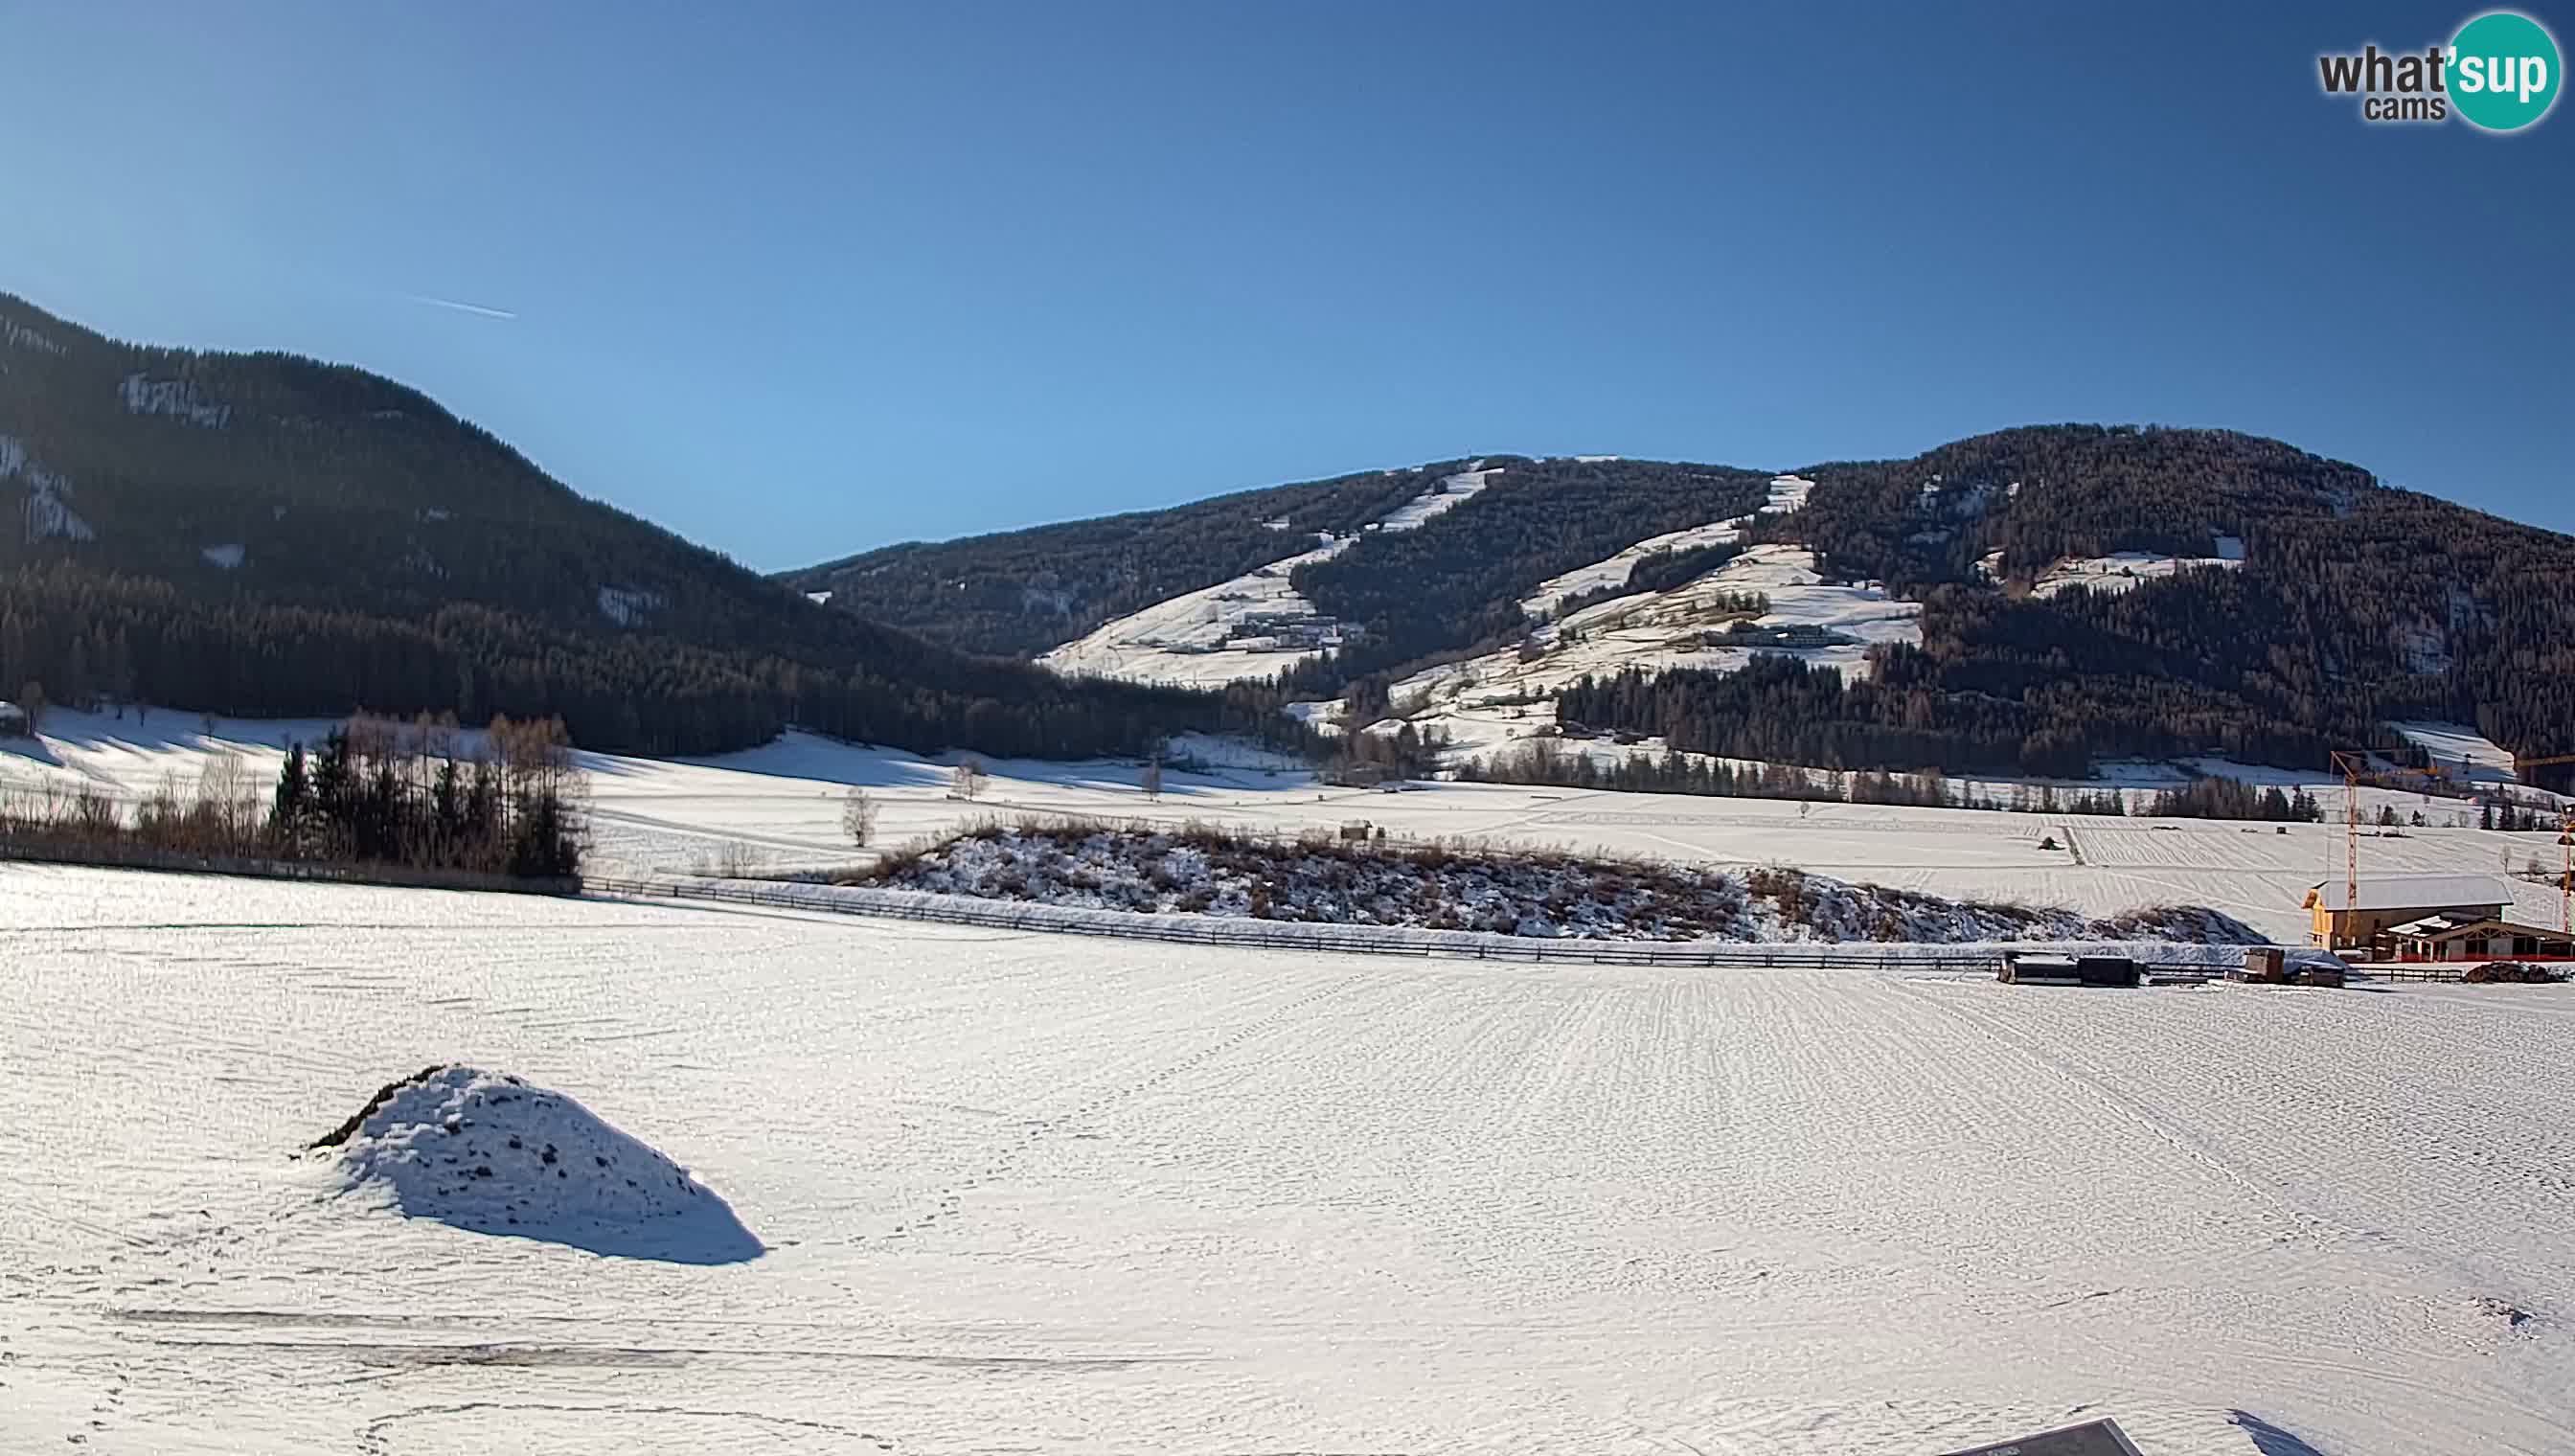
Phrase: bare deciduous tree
x=858 y=817
x=967 y=783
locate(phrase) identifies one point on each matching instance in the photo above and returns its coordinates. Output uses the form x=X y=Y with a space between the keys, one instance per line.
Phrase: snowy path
x=1028 y=1193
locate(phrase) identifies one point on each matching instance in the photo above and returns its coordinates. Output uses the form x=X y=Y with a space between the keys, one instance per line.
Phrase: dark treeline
x=1547 y=760
x=85 y=636
x=2228 y=798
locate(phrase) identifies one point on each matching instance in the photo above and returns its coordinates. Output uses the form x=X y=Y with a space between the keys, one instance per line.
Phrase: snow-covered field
x=2123 y=571
x=1029 y=1194
x=1787 y=493
x=778 y=807
x=2461 y=750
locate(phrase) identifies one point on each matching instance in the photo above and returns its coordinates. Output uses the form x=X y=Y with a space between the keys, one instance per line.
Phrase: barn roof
x=2412 y=893
x=2449 y=927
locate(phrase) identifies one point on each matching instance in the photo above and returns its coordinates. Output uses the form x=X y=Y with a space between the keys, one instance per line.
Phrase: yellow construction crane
x=2565 y=840
x=2356 y=764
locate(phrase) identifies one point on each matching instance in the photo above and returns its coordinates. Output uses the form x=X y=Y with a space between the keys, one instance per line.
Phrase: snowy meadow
x=1023 y=1192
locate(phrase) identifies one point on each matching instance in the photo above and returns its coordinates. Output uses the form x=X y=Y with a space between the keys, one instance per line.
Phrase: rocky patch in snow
x=14 y=334
x=176 y=398
x=627 y=606
x=1363 y=881
x=47 y=514
x=487 y=1152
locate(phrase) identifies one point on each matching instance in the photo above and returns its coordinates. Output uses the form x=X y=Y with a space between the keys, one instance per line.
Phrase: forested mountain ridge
x=1023 y=591
x=266 y=533
x=2354 y=603
x=2086 y=592
x=1440 y=587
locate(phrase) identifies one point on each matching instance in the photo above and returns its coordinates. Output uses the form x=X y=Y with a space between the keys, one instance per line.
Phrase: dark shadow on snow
x=707 y=1234
x=2269 y=1439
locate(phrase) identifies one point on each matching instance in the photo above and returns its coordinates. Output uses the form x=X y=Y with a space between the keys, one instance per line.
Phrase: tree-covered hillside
x=264 y=534
x=1023 y=591
x=2346 y=603
x=2355 y=604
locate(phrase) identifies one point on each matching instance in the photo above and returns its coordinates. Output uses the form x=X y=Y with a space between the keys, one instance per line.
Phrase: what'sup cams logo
x=2500 y=73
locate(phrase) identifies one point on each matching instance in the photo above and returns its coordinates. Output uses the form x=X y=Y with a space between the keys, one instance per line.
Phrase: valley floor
x=779 y=808
x=1028 y=1193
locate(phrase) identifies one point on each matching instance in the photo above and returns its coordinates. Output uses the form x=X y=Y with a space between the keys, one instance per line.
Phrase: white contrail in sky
x=462 y=308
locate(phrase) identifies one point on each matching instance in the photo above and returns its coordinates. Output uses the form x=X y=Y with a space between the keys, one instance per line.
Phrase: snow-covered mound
x=488 y=1152
x=1448 y=887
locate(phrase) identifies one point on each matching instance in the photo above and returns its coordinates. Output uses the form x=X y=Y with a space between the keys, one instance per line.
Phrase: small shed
x=2108 y=970
x=13 y=721
x=2022 y=968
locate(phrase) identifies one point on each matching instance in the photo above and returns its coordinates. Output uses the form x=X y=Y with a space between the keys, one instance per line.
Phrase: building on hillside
x=2448 y=937
x=13 y=721
x=2385 y=902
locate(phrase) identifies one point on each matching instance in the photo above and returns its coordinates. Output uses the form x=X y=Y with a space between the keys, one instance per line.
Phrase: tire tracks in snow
x=1030 y=1133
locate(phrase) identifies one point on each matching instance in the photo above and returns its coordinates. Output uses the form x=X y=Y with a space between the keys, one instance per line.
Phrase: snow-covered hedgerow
x=1320 y=880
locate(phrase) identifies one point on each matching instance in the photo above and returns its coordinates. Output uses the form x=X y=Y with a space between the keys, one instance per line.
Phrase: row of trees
x=2228 y=798
x=384 y=792
x=420 y=794
x=1553 y=761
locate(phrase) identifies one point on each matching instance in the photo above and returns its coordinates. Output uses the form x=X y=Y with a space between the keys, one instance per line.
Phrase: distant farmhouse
x=2426 y=918
x=13 y=721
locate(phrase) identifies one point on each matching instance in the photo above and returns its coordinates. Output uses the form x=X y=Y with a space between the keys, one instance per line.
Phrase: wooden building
x=2447 y=937
x=2345 y=922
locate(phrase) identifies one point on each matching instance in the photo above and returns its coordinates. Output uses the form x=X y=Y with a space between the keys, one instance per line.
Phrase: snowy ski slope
x=1253 y=626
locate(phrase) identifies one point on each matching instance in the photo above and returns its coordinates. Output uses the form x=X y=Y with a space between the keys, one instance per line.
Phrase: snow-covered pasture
x=1026 y=1192
x=2123 y=571
x=778 y=807
x=1825 y=625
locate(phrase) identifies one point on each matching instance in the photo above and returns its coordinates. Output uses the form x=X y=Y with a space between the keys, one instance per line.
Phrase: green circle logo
x=2504 y=71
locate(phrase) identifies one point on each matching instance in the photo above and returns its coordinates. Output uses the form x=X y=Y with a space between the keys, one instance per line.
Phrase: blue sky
x=799 y=279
